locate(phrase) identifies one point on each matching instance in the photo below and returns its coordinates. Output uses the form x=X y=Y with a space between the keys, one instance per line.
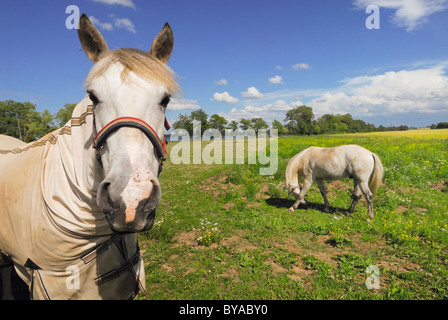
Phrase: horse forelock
x=139 y=62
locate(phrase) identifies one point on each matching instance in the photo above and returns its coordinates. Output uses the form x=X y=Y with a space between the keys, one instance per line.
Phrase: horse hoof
x=291 y=209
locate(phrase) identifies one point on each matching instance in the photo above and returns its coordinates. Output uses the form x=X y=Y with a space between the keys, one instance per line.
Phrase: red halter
x=101 y=137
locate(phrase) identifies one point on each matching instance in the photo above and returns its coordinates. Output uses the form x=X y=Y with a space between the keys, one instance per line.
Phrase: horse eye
x=93 y=98
x=165 y=101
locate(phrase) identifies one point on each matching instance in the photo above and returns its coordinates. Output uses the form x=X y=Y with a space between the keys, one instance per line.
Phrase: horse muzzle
x=128 y=217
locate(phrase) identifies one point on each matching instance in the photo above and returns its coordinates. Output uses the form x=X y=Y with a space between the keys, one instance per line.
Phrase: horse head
x=130 y=90
x=293 y=190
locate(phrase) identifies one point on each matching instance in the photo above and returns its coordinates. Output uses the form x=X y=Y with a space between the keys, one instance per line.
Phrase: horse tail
x=377 y=174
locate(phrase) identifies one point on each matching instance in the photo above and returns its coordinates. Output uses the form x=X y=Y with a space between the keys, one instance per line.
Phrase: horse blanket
x=51 y=228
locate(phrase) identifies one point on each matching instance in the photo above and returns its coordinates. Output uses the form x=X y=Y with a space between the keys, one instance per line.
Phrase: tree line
x=298 y=121
x=22 y=121
x=440 y=125
x=216 y=121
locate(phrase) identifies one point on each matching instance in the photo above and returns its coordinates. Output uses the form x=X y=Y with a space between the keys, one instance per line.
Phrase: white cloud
x=276 y=80
x=279 y=67
x=224 y=97
x=124 y=23
x=405 y=91
x=183 y=104
x=410 y=14
x=252 y=93
x=103 y=25
x=125 y=3
x=419 y=91
x=269 y=112
x=121 y=23
x=299 y=66
x=222 y=82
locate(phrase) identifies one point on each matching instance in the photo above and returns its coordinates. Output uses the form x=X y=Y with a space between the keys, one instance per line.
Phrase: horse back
x=10 y=143
x=340 y=162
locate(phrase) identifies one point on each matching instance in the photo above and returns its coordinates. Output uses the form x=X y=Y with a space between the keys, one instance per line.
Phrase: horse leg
x=323 y=192
x=369 y=197
x=301 y=198
x=355 y=196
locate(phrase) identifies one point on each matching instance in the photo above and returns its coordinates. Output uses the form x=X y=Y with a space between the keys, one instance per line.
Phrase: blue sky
x=246 y=58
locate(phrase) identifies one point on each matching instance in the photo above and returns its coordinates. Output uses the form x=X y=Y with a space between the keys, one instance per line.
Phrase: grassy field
x=224 y=232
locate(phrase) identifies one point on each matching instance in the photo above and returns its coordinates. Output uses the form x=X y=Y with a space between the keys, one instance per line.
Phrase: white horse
x=71 y=202
x=317 y=164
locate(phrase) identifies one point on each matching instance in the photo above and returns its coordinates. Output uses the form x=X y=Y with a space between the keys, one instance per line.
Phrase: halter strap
x=101 y=137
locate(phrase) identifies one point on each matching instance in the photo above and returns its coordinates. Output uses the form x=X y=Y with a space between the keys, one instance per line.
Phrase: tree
x=258 y=123
x=15 y=118
x=233 y=125
x=358 y=126
x=22 y=121
x=184 y=122
x=440 y=125
x=245 y=124
x=202 y=117
x=64 y=114
x=39 y=124
x=347 y=120
x=279 y=126
x=300 y=120
x=218 y=122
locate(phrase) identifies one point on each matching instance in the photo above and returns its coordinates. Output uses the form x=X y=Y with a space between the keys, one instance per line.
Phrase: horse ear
x=162 y=46
x=91 y=40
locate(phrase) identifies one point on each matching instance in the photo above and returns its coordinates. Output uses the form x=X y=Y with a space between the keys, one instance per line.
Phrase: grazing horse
x=72 y=202
x=317 y=164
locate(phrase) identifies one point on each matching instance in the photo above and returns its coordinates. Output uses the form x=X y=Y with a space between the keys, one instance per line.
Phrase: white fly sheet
x=50 y=225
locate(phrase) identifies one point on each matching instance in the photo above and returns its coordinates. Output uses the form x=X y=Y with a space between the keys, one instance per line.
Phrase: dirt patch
x=238 y=243
x=299 y=273
x=217 y=185
x=290 y=244
x=327 y=257
x=230 y=273
x=253 y=205
x=336 y=186
x=276 y=267
x=441 y=186
x=228 y=205
x=399 y=265
x=401 y=209
x=263 y=193
x=189 y=238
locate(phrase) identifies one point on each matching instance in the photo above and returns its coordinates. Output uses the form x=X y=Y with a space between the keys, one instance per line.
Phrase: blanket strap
x=130 y=263
x=98 y=250
x=5 y=260
x=115 y=273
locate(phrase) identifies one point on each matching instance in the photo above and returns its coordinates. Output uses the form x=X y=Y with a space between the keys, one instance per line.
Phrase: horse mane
x=141 y=63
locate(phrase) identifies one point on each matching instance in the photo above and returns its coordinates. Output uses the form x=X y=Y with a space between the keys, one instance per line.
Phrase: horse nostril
x=151 y=203
x=103 y=199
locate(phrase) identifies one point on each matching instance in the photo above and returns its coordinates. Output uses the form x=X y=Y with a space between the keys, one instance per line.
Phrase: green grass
x=259 y=250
